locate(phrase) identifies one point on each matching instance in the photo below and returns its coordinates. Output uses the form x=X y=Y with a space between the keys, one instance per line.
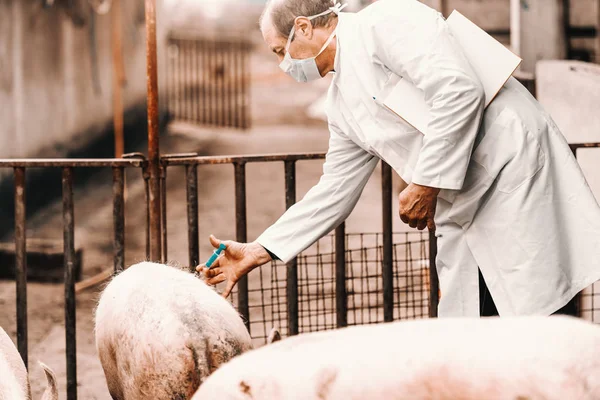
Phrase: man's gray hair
x=283 y=13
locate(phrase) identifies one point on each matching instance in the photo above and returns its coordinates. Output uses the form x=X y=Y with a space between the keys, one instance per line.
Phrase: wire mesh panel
x=590 y=303
x=316 y=285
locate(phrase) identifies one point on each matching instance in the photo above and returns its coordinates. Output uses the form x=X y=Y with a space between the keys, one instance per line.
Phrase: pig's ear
x=51 y=392
x=274 y=336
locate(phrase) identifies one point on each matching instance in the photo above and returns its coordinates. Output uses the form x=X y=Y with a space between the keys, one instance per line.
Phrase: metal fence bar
x=197 y=82
x=153 y=130
x=209 y=160
x=221 y=80
x=163 y=213
x=388 y=266
x=69 y=259
x=213 y=87
x=245 y=81
x=119 y=218
x=434 y=283
x=69 y=162
x=341 y=296
x=21 y=262
x=191 y=173
x=241 y=236
x=292 y=266
x=230 y=87
x=205 y=81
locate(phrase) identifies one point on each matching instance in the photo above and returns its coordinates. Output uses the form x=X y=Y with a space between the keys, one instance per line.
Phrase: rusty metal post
x=388 y=266
x=434 y=283
x=153 y=133
x=70 y=305
x=241 y=236
x=191 y=173
x=119 y=218
x=341 y=296
x=292 y=266
x=163 y=212
x=118 y=77
x=21 y=262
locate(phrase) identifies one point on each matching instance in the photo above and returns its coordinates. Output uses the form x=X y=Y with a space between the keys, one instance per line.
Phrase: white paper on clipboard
x=491 y=61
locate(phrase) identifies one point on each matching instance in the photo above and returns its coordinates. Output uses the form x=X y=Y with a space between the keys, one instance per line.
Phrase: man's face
x=303 y=44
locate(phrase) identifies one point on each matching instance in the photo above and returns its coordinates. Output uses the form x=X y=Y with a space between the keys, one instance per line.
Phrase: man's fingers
x=422 y=224
x=200 y=267
x=214 y=241
x=431 y=225
x=404 y=218
x=212 y=272
x=228 y=289
x=216 y=280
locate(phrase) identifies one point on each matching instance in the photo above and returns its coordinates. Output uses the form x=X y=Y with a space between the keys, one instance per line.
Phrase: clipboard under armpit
x=493 y=63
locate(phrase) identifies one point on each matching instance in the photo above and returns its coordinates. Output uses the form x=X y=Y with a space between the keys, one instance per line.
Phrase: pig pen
x=280 y=124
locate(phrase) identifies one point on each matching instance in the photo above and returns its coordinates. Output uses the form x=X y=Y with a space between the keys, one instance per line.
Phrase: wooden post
x=537 y=30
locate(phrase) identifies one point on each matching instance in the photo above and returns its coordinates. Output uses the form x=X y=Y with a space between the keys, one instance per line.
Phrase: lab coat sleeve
x=414 y=41
x=346 y=170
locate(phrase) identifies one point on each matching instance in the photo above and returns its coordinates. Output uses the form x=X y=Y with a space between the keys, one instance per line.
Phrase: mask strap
x=336 y=9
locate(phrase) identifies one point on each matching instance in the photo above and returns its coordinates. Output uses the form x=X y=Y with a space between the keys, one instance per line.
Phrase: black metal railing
x=20 y=168
x=381 y=277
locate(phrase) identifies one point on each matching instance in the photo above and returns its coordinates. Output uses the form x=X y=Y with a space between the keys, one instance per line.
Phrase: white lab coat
x=514 y=201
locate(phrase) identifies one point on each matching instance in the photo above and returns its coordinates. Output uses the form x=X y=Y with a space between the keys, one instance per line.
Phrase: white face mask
x=306 y=70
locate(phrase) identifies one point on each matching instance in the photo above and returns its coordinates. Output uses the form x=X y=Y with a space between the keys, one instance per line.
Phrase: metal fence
x=20 y=168
x=346 y=279
x=208 y=80
x=339 y=258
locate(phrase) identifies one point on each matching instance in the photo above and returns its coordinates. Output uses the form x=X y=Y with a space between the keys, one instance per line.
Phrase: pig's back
x=156 y=325
x=14 y=383
x=549 y=358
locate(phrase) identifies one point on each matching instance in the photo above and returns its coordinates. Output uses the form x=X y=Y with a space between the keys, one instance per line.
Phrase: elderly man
x=502 y=190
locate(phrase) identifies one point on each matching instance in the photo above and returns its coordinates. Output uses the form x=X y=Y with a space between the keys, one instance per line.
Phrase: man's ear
x=303 y=27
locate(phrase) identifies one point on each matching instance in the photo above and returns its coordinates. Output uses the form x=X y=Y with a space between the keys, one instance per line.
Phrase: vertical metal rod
x=197 y=71
x=213 y=86
x=292 y=266
x=163 y=208
x=204 y=81
x=21 y=262
x=119 y=218
x=69 y=258
x=236 y=85
x=230 y=92
x=244 y=86
x=147 y=192
x=434 y=283
x=191 y=173
x=341 y=297
x=153 y=131
x=388 y=266
x=241 y=236
x=180 y=82
x=223 y=70
x=118 y=77
x=188 y=81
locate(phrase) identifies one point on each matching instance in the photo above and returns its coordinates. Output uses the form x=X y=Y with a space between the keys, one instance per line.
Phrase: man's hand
x=235 y=261
x=417 y=206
